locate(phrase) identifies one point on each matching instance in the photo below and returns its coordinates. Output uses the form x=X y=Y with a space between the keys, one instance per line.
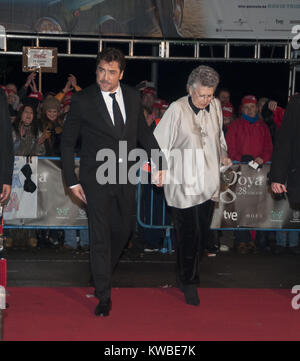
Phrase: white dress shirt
x=109 y=103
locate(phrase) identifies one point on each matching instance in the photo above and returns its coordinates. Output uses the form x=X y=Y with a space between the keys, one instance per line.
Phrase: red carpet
x=151 y=315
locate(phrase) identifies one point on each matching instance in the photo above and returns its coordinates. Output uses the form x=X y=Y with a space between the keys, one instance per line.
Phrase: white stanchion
x=2 y=308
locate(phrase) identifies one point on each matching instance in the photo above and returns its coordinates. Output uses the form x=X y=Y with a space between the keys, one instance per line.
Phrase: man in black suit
x=6 y=149
x=104 y=114
x=285 y=167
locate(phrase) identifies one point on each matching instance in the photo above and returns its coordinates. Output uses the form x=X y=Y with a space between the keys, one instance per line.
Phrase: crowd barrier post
x=167 y=242
x=2 y=308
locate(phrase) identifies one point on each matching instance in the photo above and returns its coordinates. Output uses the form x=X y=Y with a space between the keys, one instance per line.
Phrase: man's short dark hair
x=112 y=54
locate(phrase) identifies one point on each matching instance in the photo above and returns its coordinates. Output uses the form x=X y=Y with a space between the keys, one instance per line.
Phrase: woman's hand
x=158 y=178
x=226 y=161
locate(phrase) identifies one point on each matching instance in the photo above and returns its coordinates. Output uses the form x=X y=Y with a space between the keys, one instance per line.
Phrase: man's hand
x=158 y=177
x=6 y=189
x=79 y=193
x=278 y=188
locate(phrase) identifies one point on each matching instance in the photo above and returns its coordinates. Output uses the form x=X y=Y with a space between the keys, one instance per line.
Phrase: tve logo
x=230 y=215
x=296 y=38
x=296 y=299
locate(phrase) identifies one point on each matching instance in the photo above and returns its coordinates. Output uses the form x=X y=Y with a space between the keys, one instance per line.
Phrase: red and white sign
x=40 y=58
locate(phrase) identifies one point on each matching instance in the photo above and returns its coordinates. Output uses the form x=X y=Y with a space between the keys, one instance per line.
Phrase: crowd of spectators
x=37 y=121
x=250 y=131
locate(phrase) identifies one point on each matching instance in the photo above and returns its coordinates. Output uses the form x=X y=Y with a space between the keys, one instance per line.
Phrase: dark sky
x=270 y=80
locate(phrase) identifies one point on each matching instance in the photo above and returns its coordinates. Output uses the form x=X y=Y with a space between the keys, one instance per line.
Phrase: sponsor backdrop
x=55 y=205
x=245 y=201
x=248 y=19
x=22 y=204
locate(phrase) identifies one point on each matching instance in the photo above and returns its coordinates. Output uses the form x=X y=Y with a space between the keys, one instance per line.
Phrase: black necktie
x=118 y=118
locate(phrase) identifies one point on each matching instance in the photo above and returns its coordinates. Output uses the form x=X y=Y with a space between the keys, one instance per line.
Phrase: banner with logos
x=250 y=19
x=193 y=19
x=245 y=201
x=22 y=204
x=55 y=204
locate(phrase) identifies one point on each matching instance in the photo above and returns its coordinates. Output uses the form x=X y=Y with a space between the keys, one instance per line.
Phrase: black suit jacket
x=6 y=143
x=285 y=165
x=89 y=119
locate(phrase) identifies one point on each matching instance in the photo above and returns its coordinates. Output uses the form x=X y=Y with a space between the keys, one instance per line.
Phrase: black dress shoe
x=191 y=295
x=189 y=291
x=103 y=308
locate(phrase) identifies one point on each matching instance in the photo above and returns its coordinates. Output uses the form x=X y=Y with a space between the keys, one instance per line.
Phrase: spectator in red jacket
x=248 y=138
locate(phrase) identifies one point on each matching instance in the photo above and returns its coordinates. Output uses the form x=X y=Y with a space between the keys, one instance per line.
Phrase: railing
x=263 y=51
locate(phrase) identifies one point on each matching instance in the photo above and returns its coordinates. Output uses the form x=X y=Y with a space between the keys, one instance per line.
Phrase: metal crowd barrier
x=167 y=242
x=2 y=308
x=3 y=272
x=167 y=227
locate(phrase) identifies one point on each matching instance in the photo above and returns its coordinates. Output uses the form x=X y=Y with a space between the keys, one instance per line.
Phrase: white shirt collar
x=117 y=91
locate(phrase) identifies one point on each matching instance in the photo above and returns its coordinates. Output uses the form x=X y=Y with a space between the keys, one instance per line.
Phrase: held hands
x=158 y=177
x=226 y=161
